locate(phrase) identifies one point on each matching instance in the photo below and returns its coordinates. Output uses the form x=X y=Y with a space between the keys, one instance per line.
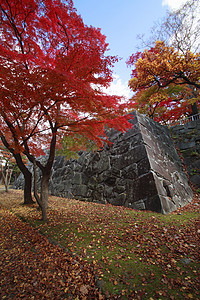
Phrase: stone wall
x=140 y=170
x=187 y=139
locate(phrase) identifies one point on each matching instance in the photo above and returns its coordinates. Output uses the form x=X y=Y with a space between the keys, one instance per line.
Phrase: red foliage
x=52 y=69
x=51 y=64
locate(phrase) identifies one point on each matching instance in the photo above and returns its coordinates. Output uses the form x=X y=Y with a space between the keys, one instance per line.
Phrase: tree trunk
x=7 y=177
x=44 y=195
x=27 y=179
x=27 y=174
x=27 y=187
x=46 y=172
x=6 y=180
x=194 y=109
x=37 y=197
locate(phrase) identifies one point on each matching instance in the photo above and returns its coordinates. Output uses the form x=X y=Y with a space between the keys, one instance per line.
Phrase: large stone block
x=151 y=174
x=172 y=188
x=187 y=138
x=140 y=170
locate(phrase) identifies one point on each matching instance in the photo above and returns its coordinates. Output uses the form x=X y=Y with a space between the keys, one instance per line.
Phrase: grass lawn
x=134 y=254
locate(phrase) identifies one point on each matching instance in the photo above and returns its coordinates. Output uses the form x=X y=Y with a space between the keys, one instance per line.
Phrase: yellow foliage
x=163 y=65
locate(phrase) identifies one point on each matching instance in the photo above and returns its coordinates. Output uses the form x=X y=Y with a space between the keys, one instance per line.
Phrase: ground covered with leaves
x=94 y=251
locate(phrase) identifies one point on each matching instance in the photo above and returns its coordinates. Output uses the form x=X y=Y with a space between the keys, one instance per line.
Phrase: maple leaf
x=84 y=289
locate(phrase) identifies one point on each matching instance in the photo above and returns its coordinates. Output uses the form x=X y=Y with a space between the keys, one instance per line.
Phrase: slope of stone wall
x=141 y=170
x=187 y=139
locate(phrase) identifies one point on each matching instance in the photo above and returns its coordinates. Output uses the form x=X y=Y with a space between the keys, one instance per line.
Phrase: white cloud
x=119 y=88
x=173 y=4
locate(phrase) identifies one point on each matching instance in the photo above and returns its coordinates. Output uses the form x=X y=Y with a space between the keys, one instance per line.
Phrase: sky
x=121 y=22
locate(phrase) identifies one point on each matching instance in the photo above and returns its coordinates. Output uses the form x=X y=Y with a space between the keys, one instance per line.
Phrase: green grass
x=136 y=255
x=132 y=252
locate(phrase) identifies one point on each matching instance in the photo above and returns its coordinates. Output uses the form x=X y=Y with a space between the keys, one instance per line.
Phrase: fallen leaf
x=84 y=289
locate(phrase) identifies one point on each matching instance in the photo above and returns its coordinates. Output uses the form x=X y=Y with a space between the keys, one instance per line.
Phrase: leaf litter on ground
x=85 y=247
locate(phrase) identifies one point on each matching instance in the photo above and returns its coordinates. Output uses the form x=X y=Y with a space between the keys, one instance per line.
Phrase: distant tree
x=180 y=29
x=52 y=70
x=165 y=80
x=7 y=166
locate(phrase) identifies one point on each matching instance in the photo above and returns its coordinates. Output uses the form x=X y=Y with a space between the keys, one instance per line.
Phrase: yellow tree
x=163 y=105
x=157 y=73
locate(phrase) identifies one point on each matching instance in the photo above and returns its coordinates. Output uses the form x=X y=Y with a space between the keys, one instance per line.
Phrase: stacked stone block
x=140 y=169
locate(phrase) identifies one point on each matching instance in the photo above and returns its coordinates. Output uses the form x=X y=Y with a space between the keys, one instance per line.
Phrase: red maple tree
x=52 y=70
